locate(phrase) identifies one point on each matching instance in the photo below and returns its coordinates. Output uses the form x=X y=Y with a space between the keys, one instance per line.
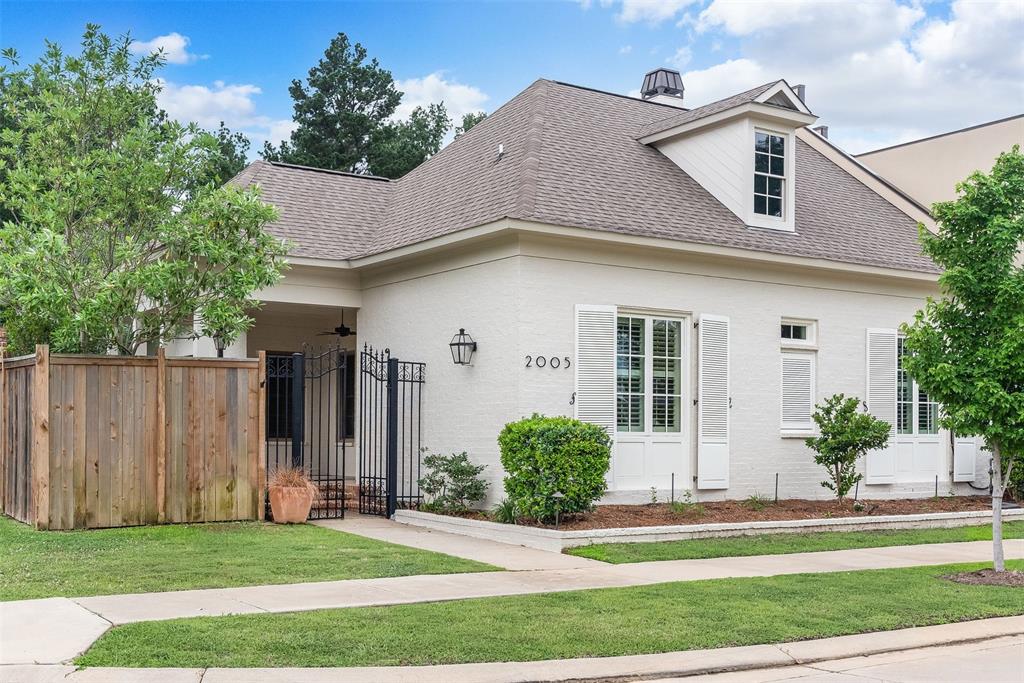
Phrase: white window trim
x=809 y=428
x=755 y=220
x=809 y=344
x=915 y=407
x=649 y=316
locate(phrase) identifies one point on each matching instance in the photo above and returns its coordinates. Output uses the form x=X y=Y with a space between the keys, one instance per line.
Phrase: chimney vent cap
x=662 y=82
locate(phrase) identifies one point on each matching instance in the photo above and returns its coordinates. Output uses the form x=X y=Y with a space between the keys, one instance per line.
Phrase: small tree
x=966 y=348
x=847 y=433
x=452 y=482
x=113 y=233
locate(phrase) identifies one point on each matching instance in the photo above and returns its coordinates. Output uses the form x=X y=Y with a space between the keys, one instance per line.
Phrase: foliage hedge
x=547 y=455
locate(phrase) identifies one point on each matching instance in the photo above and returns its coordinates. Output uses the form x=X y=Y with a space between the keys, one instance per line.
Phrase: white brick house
x=692 y=280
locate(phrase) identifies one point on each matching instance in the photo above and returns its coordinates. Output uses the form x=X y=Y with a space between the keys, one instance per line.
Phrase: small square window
x=797 y=332
x=761 y=142
x=777 y=166
x=760 y=204
x=774 y=187
x=761 y=163
x=761 y=184
x=775 y=207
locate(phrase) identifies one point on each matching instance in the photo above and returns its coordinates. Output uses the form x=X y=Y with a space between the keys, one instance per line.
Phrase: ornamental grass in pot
x=291 y=495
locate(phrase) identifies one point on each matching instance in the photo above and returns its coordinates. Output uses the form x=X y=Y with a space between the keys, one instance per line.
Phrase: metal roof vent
x=664 y=86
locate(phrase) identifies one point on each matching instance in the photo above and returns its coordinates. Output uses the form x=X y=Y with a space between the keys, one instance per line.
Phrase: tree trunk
x=997 y=510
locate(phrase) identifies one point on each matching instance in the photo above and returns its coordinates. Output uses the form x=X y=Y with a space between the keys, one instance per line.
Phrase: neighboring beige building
x=929 y=169
x=693 y=281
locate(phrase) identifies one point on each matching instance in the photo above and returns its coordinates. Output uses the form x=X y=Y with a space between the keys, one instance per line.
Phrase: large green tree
x=344 y=115
x=345 y=99
x=966 y=347
x=113 y=233
x=397 y=148
x=233 y=148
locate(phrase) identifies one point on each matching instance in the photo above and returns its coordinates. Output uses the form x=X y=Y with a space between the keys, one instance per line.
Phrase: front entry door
x=650 y=441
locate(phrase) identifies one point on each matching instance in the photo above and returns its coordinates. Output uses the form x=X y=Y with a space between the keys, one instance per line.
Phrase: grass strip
x=592 y=623
x=781 y=544
x=39 y=564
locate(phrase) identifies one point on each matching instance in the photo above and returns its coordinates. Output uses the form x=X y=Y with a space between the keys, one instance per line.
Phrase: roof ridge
x=531 y=157
x=363 y=176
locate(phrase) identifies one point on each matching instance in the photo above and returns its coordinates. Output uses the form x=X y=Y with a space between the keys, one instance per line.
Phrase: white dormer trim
x=767 y=112
x=755 y=220
x=782 y=88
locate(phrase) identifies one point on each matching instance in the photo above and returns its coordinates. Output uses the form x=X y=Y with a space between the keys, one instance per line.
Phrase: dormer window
x=769 y=174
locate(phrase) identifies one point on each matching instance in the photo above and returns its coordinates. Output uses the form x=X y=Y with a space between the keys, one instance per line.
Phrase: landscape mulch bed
x=662 y=514
x=989 y=577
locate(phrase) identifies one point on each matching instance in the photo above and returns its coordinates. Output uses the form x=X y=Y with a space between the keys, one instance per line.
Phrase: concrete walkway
x=52 y=636
x=511 y=557
x=991 y=650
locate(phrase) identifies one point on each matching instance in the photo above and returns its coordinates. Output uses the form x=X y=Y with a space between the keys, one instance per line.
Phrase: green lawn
x=38 y=564
x=592 y=623
x=779 y=544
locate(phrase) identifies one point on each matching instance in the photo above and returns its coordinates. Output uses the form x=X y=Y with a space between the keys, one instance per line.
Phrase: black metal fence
x=310 y=406
x=390 y=401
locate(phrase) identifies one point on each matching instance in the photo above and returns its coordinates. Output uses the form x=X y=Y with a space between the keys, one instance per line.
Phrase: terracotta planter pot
x=290 y=505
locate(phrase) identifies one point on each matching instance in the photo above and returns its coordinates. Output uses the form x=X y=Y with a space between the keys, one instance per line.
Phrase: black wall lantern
x=462 y=347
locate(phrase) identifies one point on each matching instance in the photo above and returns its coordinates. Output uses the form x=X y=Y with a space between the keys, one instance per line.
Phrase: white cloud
x=174 y=47
x=625 y=49
x=877 y=73
x=681 y=58
x=231 y=103
x=458 y=98
x=651 y=11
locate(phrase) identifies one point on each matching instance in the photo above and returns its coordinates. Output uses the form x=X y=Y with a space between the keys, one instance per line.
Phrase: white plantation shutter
x=797 y=390
x=595 y=365
x=880 y=465
x=965 y=455
x=713 y=402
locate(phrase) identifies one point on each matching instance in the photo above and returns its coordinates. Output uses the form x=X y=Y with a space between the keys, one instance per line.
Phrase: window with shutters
x=798 y=388
x=916 y=413
x=649 y=374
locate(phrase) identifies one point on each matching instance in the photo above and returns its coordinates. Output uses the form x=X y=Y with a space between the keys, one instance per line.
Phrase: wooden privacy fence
x=108 y=441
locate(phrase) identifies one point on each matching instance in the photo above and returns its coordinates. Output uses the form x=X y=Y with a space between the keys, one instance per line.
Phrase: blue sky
x=877 y=72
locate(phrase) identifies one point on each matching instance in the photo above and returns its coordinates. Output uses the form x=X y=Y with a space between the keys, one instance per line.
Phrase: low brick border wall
x=557 y=541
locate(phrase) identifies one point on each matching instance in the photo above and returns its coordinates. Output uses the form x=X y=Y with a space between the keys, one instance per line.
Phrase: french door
x=650 y=402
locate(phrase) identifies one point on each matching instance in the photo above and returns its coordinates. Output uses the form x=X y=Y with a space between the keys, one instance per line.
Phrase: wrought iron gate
x=310 y=411
x=390 y=424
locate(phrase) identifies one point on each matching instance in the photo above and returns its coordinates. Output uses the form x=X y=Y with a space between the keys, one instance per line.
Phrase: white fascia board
x=769 y=112
x=338 y=264
x=548 y=229
x=783 y=87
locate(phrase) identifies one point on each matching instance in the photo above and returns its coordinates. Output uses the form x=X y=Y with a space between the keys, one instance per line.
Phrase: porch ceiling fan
x=341 y=330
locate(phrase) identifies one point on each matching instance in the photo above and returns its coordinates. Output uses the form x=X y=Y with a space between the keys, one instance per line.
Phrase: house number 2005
x=545 y=362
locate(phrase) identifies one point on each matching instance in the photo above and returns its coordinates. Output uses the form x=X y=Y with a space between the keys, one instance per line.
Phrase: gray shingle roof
x=706 y=110
x=571 y=158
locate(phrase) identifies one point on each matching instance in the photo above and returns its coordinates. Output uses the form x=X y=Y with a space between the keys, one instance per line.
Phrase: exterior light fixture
x=462 y=347
x=220 y=343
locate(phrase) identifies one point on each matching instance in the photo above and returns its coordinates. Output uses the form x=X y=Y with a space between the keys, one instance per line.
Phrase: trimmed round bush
x=547 y=455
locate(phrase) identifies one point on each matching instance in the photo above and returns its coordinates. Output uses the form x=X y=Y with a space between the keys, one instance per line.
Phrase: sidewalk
x=511 y=557
x=34 y=641
x=748 y=664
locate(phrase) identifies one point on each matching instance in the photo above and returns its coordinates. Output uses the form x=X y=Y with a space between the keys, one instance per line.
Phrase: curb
x=556 y=541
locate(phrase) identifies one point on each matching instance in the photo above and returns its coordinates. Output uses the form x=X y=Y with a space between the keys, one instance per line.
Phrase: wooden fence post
x=41 y=436
x=161 y=435
x=261 y=436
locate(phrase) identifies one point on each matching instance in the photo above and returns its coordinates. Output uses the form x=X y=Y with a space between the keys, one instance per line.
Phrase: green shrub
x=757 y=502
x=505 y=512
x=452 y=483
x=847 y=433
x=543 y=456
x=687 y=506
